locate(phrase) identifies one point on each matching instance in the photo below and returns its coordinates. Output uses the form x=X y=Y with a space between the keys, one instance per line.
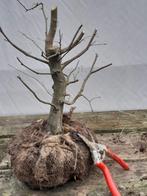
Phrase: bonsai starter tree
x=48 y=152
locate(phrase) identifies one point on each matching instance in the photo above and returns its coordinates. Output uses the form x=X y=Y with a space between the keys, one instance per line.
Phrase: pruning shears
x=98 y=152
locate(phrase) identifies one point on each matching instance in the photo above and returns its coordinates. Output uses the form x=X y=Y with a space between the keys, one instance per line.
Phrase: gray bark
x=59 y=91
x=54 y=125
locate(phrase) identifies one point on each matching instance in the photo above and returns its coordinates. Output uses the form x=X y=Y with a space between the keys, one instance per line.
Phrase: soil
x=41 y=160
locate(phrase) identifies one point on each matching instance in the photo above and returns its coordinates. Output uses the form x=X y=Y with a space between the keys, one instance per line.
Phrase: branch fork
x=52 y=56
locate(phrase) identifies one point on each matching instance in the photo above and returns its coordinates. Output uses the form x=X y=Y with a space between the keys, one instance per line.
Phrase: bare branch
x=40 y=100
x=30 y=39
x=29 y=9
x=79 y=94
x=22 y=5
x=53 y=26
x=82 y=52
x=41 y=84
x=73 y=81
x=38 y=73
x=72 y=41
x=94 y=71
x=68 y=49
x=77 y=41
x=73 y=70
x=35 y=6
x=21 y=50
x=99 y=44
x=75 y=75
x=90 y=101
x=75 y=35
x=91 y=71
x=60 y=40
x=45 y=19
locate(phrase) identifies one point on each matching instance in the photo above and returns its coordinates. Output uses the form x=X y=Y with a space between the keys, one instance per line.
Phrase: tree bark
x=59 y=90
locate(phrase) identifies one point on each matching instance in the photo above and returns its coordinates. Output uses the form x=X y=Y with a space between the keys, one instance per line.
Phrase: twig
x=30 y=39
x=94 y=71
x=68 y=82
x=79 y=94
x=76 y=74
x=29 y=9
x=21 y=50
x=41 y=84
x=73 y=70
x=60 y=41
x=42 y=9
x=70 y=47
x=38 y=73
x=72 y=82
x=74 y=37
x=91 y=71
x=90 y=101
x=99 y=44
x=82 y=52
x=72 y=43
x=40 y=100
x=67 y=50
x=45 y=19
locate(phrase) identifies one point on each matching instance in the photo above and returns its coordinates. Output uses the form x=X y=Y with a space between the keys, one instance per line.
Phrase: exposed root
x=42 y=160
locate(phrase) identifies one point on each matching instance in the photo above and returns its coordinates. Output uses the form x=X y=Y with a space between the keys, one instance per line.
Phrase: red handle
x=108 y=178
x=117 y=159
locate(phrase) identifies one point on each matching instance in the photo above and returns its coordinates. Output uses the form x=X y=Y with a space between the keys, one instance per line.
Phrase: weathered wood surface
x=98 y=121
x=128 y=127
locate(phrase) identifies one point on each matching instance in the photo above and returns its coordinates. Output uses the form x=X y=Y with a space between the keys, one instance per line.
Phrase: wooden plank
x=97 y=121
x=124 y=143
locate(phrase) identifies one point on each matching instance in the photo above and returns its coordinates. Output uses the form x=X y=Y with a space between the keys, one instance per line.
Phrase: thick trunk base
x=44 y=161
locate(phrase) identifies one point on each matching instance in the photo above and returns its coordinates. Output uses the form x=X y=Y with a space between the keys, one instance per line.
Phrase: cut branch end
x=52 y=31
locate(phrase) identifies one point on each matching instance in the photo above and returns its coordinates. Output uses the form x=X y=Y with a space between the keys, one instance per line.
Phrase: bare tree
x=53 y=56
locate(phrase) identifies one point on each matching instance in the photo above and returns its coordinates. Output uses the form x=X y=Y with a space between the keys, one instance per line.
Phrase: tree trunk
x=59 y=91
